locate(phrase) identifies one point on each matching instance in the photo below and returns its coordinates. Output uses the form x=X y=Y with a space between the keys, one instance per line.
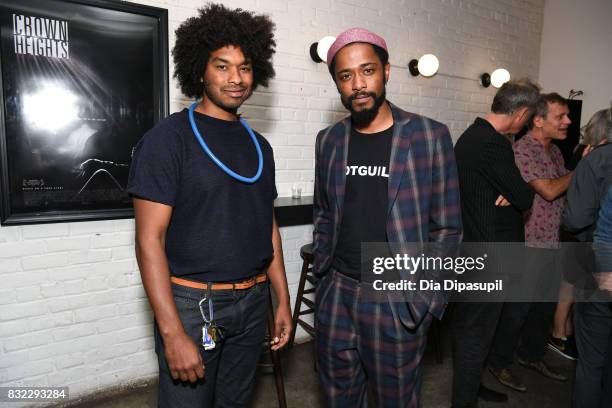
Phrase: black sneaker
x=565 y=347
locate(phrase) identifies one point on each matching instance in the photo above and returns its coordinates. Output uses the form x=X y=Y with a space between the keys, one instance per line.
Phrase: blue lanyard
x=216 y=160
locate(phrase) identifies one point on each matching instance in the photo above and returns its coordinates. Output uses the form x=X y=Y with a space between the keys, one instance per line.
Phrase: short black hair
x=382 y=55
x=215 y=27
x=541 y=108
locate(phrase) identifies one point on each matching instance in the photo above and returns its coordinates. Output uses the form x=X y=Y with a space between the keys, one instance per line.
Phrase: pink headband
x=353 y=35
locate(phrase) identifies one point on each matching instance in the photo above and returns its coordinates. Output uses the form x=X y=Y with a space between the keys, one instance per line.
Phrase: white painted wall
x=72 y=308
x=576 y=51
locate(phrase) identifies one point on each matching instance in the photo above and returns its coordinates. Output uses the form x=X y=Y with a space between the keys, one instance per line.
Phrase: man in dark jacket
x=493 y=197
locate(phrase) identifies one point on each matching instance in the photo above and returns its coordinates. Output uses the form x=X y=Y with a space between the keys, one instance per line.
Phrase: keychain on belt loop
x=209 y=330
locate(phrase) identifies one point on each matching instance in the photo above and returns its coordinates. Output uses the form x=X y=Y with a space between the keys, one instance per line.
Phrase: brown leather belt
x=249 y=283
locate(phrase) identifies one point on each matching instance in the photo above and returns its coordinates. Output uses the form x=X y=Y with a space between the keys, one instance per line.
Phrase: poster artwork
x=81 y=83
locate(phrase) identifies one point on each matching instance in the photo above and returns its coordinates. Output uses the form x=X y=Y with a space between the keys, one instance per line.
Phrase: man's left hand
x=502 y=202
x=282 y=326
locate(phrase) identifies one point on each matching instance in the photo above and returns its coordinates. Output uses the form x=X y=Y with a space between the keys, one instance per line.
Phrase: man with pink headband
x=383 y=175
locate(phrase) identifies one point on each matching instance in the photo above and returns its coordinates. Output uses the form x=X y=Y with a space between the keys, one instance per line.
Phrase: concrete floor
x=302 y=389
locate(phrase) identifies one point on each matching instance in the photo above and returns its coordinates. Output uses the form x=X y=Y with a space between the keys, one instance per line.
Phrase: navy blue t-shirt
x=221 y=228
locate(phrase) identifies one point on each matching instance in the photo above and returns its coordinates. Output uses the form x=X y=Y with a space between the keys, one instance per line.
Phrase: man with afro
x=207 y=243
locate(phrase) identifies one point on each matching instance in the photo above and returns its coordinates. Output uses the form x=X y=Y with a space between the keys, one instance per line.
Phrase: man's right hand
x=604 y=280
x=183 y=357
x=182 y=354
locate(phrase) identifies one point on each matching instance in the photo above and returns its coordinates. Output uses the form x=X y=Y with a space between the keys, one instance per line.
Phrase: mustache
x=234 y=89
x=358 y=94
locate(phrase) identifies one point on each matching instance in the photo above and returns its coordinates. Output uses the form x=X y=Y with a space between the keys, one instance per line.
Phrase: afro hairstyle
x=215 y=27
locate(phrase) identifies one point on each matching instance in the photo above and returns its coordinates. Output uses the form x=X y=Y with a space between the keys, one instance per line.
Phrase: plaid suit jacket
x=423 y=199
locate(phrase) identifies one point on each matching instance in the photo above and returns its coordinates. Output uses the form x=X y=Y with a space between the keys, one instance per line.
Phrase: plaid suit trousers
x=359 y=342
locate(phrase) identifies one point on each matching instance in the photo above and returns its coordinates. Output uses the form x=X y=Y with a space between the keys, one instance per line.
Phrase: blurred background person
x=562 y=339
x=592 y=317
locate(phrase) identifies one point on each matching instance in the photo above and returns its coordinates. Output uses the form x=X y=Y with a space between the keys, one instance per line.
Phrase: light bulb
x=428 y=65
x=323 y=46
x=499 y=77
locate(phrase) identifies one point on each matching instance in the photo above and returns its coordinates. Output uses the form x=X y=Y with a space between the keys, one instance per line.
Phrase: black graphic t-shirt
x=365 y=208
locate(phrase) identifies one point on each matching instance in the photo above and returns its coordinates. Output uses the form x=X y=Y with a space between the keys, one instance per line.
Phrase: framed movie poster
x=81 y=82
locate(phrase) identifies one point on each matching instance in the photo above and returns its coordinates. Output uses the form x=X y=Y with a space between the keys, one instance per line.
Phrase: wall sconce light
x=497 y=78
x=318 y=50
x=427 y=65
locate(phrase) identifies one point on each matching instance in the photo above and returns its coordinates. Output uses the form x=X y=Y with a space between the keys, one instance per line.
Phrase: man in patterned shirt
x=541 y=165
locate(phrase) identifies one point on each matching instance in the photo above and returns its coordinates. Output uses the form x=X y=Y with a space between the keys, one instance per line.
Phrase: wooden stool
x=274 y=360
x=298 y=311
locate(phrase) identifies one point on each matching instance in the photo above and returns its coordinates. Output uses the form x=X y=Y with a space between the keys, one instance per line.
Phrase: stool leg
x=298 y=302
x=276 y=362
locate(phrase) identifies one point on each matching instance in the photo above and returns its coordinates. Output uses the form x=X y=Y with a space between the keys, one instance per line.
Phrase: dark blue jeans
x=230 y=367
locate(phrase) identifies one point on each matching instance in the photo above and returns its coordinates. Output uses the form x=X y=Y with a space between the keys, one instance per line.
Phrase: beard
x=366 y=116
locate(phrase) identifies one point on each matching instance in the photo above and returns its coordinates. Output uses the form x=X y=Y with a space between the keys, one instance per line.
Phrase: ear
x=523 y=113
x=203 y=76
x=538 y=121
x=387 y=70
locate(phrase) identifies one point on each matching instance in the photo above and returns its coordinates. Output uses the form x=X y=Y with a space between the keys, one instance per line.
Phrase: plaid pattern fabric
x=423 y=197
x=360 y=342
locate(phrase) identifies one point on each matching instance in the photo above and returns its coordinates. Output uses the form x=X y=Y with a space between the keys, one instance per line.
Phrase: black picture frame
x=80 y=82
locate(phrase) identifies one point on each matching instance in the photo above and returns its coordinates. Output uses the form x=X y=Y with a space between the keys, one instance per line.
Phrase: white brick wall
x=72 y=308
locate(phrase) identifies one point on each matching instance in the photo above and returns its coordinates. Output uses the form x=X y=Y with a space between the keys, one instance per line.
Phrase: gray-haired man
x=493 y=196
